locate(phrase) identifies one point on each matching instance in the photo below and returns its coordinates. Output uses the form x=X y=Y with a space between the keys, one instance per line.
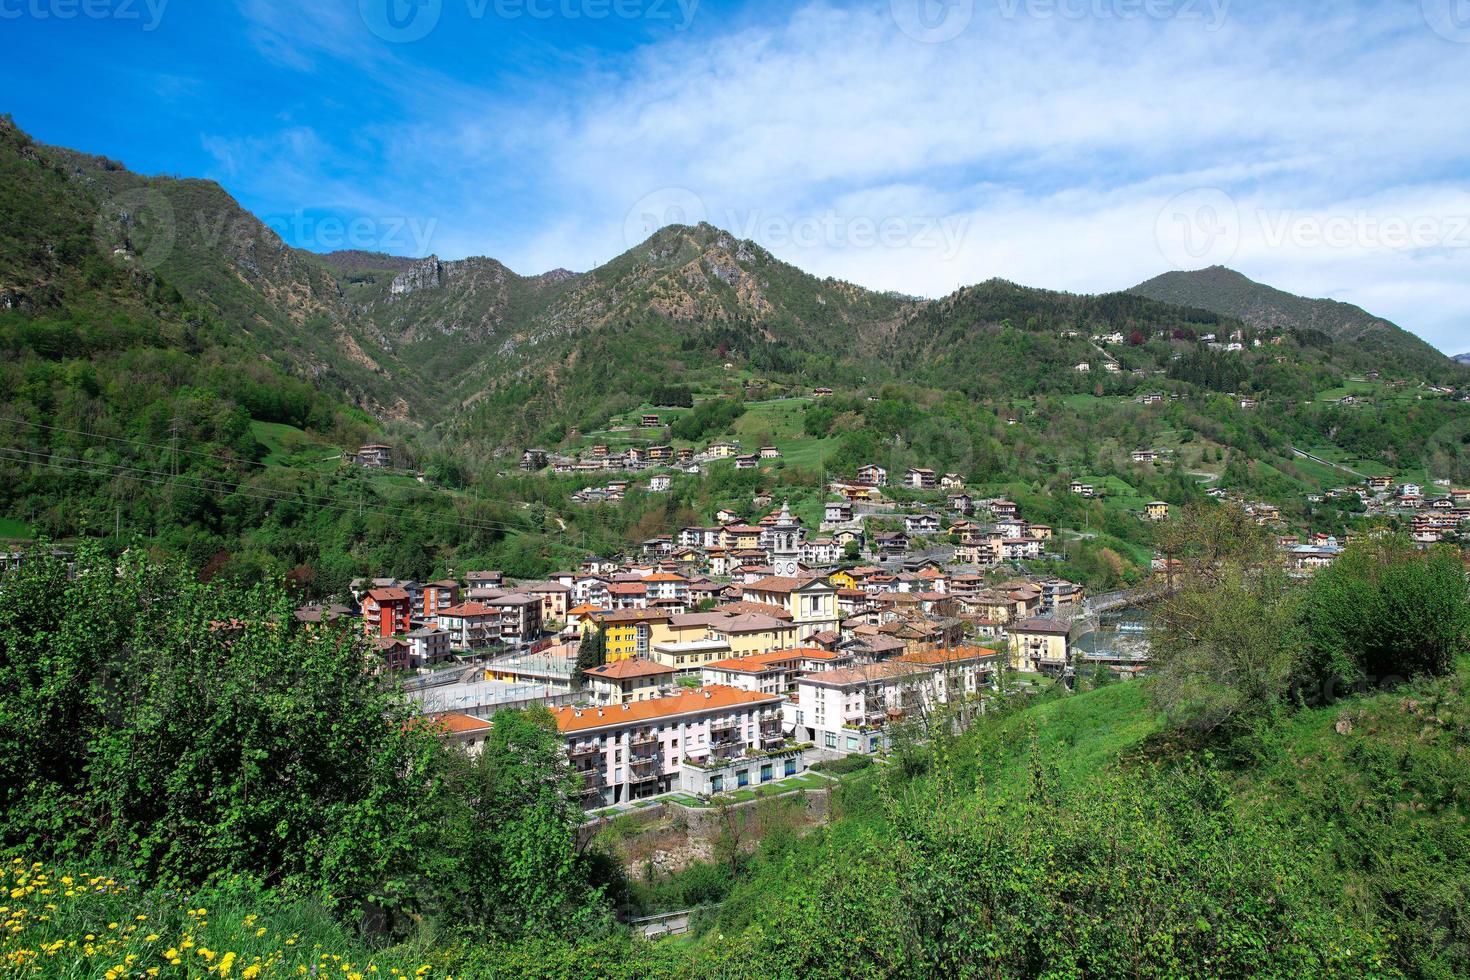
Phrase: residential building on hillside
x=848 y=710
x=1040 y=646
x=470 y=625
x=386 y=612
x=428 y=646
x=692 y=741
x=628 y=680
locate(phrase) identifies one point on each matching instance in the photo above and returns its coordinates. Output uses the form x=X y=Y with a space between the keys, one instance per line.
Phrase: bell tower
x=786 y=550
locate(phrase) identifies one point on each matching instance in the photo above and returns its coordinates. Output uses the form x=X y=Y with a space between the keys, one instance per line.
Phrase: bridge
x=1093 y=608
x=667 y=924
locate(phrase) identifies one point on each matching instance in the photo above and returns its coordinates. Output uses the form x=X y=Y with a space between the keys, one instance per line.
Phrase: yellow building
x=1039 y=645
x=631 y=632
x=754 y=633
x=741 y=537
x=842 y=580
x=811 y=602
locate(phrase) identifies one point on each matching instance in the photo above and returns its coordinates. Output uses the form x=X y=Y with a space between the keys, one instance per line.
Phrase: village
x=737 y=655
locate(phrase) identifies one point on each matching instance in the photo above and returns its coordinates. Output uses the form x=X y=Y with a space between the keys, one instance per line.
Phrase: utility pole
x=173 y=442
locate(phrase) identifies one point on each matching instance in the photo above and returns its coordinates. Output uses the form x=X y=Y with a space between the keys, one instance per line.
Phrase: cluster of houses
x=1432 y=517
x=636 y=458
x=714 y=681
x=739 y=653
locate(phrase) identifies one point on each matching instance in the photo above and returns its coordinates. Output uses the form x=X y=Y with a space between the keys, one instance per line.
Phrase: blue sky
x=915 y=145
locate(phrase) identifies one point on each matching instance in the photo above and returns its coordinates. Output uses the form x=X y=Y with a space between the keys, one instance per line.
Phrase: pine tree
x=593 y=651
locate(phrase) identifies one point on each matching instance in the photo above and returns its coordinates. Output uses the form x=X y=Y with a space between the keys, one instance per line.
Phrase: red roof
x=467 y=609
x=625 y=669
x=707 y=699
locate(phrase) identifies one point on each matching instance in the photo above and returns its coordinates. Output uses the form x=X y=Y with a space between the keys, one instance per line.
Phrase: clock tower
x=786 y=545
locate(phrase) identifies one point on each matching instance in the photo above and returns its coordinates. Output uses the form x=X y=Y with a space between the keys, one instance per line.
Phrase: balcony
x=643 y=740
x=771 y=724
x=724 y=724
x=582 y=751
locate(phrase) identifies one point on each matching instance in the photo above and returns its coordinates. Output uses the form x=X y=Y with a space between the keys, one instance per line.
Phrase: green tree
x=1386 y=609
x=197 y=731
x=519 y=869
x=592 y=653
x=1225 y=638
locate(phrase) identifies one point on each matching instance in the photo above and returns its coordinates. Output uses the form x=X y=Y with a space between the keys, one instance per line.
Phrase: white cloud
x=1052 y=142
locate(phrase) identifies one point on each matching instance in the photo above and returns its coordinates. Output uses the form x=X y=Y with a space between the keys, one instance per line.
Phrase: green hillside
x=1229 y=293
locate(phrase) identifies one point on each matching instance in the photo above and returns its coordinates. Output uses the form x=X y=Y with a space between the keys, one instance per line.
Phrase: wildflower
x=152 y=937
x=225 y=963
x=250 y=972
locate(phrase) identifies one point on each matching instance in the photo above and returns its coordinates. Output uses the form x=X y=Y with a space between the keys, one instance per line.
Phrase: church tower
x=786 y=545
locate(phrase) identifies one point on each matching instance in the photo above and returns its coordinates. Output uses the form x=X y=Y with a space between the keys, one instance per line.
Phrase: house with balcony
x=470 y=625
x=627 y=681
x=710 y=740
x=1040 y=646
x=920 y=478
x=428 y=646
x=438 y=596
x=386 y=612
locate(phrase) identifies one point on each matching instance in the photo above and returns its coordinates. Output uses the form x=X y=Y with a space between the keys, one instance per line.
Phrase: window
x=767 y=771
x=791 y=767
x=742 y=778
x=831 y=740
x=852 y=742
x=717 y=784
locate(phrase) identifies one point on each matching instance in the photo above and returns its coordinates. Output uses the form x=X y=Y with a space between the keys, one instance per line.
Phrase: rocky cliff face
x=428 y=274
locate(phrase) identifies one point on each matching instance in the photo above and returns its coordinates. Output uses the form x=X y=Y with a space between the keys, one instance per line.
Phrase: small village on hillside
x=737 y=655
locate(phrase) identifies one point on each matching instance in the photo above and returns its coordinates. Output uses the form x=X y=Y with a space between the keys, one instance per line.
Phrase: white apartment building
x=848 y=710
x=689 y=741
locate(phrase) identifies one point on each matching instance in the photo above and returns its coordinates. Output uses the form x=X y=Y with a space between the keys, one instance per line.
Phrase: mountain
x=1463 y=358
x=1229 y=293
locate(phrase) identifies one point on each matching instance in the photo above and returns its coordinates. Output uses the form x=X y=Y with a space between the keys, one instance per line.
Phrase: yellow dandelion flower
x=250 y=972
x=226 y=961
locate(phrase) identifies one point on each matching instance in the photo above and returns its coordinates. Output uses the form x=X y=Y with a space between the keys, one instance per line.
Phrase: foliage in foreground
x=193 y=734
